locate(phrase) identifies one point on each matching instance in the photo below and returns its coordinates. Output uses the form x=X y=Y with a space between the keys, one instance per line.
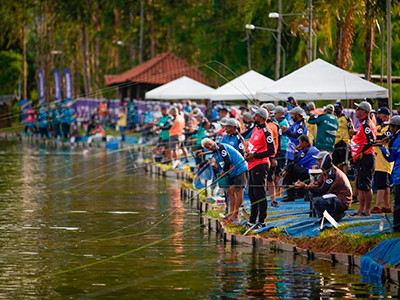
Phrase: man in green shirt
x=327 y=125
x=164 y=123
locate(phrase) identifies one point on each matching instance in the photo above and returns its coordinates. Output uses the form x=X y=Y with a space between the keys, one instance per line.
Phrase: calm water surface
x=61 y=210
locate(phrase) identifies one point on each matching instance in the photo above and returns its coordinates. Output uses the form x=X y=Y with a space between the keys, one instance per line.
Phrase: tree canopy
x=94 y=38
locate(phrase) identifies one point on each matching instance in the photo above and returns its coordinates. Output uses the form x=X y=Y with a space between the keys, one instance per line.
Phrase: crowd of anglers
x=303 y=150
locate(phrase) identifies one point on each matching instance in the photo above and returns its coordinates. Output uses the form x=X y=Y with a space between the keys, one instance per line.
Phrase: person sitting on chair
x=298 y=169
x=331 y=192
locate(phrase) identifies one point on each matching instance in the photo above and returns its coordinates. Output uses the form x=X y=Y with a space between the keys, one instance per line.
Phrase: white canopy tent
x=320 y=80
x=181 y=89
x=243 y=87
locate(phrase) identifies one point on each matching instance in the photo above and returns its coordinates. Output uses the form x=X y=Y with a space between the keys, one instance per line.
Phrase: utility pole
x=389 y=51
x=309 y=46
x=278 y=41
x=248 y=50
x=141 y=32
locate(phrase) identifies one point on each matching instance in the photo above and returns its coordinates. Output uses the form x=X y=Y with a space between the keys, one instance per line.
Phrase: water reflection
x=43 y=233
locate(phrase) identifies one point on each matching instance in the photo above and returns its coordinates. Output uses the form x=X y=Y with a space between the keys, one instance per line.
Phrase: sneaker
x=385 y=210
x=376 y=210
x=274 y=204
x=249 y=225
x=260 y=225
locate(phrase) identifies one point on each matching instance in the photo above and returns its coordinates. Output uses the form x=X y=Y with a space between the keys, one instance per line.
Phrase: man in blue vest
x=234 y=166
x=393 y=155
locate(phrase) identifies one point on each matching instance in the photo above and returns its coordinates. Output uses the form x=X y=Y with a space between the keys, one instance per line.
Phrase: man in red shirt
x=364 y=157
x=259 y=149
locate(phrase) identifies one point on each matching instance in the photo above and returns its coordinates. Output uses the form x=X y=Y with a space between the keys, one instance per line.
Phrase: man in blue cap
x=383 y=168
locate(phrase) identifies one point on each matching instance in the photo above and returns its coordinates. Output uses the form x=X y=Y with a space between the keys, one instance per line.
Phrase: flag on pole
x=57 y=85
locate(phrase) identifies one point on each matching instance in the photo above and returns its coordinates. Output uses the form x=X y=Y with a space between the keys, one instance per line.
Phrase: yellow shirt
x=382 y=164
x=311 y=131
x=121 y=119
x=342 y=134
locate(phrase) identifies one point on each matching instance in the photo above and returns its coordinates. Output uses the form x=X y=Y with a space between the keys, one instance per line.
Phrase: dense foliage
x=99 y=37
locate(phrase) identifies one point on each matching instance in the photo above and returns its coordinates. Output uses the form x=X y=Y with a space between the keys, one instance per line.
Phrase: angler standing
x=364 y=157
x=260 y=148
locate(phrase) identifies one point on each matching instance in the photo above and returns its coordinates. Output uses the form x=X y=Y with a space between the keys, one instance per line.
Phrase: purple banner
x=41 y=85
x=68 y=83
x=57 y=85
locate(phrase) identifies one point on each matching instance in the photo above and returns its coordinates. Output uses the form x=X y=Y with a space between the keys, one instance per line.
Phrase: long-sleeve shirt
x=393 y=155
x=227 y=157
x=293 y=133
x=261 y=144
x=362 y=141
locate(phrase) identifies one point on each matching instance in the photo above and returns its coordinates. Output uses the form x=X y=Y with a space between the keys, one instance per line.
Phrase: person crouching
x=331 y=192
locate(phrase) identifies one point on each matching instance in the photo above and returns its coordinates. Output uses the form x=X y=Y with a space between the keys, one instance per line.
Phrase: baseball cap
x=321 y=155
x=297 y=110
x=223 y=109
x=223 y=121
x=262 y=112
x=247 y=115
x=231 y=122
x=383 y=110
x=279 y=109
x=329 y=107
x=338 y=104
x=395 y=120
x=364 y=106
x=291 y=100
x=397 y=104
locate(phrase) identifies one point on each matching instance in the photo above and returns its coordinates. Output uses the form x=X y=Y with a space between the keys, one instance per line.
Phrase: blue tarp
x=385 y=253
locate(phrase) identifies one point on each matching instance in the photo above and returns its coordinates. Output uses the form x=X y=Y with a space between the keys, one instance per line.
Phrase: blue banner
x=41 y=85
x=57 y=85
x=24 y=106
x=68 y=83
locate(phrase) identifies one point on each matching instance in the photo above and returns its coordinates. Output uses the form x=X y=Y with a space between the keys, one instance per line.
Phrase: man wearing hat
x=223 y=113
x=249 y=125
x=297 y=129
x=304 y=161
x=232 y=136
x=398 y=107
x=331 y=192
x=393 y=155
x=259 y=149
x=312 y=128
x=344 y=133
x=383 y=168
x=290 y=104
x=363 y=154
x=279 y=114
x=327 y=125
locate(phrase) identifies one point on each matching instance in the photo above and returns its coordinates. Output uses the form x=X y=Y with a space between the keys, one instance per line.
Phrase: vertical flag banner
x=57 y=85
x=41 y=85
x=68 y=83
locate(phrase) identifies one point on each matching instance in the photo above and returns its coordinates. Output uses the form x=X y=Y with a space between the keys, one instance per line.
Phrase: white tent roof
x=180 y=89
x=320 y=80
x=243 y=87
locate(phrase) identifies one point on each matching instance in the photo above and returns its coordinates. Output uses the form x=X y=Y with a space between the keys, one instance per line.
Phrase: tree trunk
x=24 y=65
x=152 y=37
x=97 y=50
x=132 y=49
x=116 y=39
x=346 y=39
x=85 y=61
x=369 y=40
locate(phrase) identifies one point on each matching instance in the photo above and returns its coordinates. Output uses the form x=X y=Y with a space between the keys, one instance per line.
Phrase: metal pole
x=248 y=50
x=141 y=31
x=382 y=49
x=315 y=45
x=283 y=61
x=278 y=41
x=389 y=51
x=309 y=46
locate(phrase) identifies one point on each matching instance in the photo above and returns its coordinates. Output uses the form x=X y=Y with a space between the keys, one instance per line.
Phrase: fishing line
x=121 y=254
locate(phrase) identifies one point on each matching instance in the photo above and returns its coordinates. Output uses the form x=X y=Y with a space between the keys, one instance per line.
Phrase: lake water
x=94 y=226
